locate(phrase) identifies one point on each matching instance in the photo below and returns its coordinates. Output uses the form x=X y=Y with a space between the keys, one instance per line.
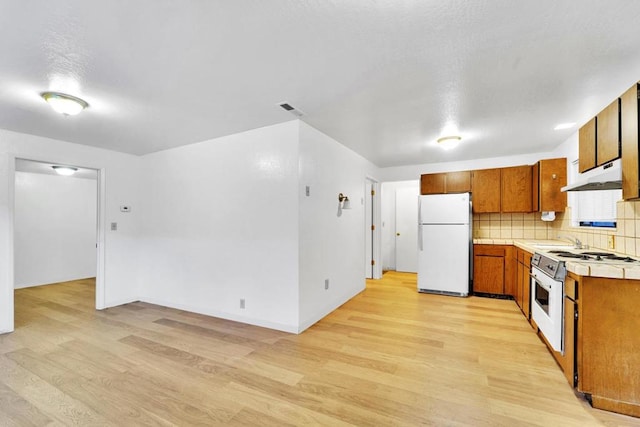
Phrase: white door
x=407 y=230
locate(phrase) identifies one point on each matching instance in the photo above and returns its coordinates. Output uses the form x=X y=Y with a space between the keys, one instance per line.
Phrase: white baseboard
x=311 y=320
x=223 y=315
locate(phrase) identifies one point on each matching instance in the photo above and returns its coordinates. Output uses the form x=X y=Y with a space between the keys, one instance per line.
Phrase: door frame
x=100 y=229
x=373 y=203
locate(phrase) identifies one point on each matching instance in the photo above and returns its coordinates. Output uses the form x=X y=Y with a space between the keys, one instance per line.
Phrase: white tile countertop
x=579 y=267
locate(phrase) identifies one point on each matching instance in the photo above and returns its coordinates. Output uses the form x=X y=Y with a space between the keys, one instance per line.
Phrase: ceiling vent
x=291 y=109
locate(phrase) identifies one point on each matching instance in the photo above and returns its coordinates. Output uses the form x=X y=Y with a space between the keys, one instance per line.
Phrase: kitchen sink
x=546 y=247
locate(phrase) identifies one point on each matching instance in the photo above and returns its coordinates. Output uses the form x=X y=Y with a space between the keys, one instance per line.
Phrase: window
x=592 y=208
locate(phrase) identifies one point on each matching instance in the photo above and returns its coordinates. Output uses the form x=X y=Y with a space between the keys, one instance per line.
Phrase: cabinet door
x=608 y=133
x=518 y=296
x=488 y=274
x=458 y=182
x=485 y=186
x=432 y=183
x=629 y=123
x=535 y=187
x=552 y=176
x=510 y=270
x=516 y=189
x=587 y=146
x=569 y=357
x=526 y=288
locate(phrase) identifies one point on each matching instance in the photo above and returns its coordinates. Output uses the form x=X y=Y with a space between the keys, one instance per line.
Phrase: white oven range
x=547 y=296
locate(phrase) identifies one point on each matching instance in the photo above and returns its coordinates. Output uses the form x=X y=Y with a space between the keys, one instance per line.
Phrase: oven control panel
x=549 y=266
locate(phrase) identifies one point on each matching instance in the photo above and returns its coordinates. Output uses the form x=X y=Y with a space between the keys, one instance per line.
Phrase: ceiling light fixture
x=449 y=142
x=64 y=104
x=64 y=170
x=563 y=126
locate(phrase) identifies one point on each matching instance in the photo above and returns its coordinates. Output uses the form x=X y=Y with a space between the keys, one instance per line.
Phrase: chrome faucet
x=577 y=244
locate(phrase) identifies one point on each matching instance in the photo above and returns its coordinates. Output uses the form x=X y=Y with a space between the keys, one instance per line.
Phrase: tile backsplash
x=510 y=226
x=529 y=226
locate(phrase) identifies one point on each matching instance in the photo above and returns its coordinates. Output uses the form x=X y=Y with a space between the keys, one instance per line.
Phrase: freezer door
x=445 y=209
x=443 y=263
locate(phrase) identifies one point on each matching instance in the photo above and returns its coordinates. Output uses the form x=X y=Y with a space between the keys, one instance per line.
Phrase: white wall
x=569 y=148
x=120 y=171
x=389 y=219
x=332 y=242
x=54 y=229
x=221 y=224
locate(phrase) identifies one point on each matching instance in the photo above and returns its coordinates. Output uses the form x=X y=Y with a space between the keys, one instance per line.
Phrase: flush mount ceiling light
x=563 y=126
x=64 y=170
x=449 y=142
x=64 y=104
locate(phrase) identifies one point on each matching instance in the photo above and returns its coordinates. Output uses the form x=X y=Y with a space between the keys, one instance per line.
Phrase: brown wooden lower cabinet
x=494 y=271
x=608 y=345
x=570 y=326
x=602 y=346
x=488 y=269
x=522 y=289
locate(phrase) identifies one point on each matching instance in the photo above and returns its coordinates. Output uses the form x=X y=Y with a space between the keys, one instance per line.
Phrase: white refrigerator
x=444 y=244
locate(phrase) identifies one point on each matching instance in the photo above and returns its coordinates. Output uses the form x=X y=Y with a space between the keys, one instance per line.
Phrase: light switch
x=114 y=226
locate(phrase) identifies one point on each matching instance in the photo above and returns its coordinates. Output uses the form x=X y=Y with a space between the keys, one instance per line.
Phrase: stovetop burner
x=592 y=256
x=565 y=254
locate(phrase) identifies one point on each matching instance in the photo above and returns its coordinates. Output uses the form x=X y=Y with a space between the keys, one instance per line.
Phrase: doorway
x=400 y=225
x=406 y=238
x=57 y=225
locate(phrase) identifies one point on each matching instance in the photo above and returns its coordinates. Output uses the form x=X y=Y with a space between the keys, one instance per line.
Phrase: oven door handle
x=542 y=285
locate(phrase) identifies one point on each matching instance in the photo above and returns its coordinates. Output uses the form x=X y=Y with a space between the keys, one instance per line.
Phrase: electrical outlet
x=242 y=303
x=611 y=242
x=326 y=283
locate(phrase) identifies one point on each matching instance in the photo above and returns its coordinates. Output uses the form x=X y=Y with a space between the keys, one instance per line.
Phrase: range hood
x=605 y=177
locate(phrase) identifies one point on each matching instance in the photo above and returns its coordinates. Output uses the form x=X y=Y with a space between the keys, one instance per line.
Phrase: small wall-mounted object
x=125 y=208
x=344 y=201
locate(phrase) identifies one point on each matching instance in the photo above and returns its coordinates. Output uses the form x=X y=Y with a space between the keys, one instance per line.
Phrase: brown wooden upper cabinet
x=599 y=138
x=485 y=186
x=517 y=189
x=630 y=149
x=432 y=183
x=458 y=182
x=608 y=133
x=587 y=146
x=444 y=183
x=549 y=176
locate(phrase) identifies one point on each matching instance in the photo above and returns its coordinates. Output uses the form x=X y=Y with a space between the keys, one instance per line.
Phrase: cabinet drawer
x=489 y=250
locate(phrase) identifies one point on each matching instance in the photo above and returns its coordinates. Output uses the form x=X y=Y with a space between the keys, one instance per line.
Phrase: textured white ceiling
x=382 y=77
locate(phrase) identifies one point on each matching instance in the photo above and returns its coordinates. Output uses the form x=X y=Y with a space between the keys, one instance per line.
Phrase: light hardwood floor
x=390 y=356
